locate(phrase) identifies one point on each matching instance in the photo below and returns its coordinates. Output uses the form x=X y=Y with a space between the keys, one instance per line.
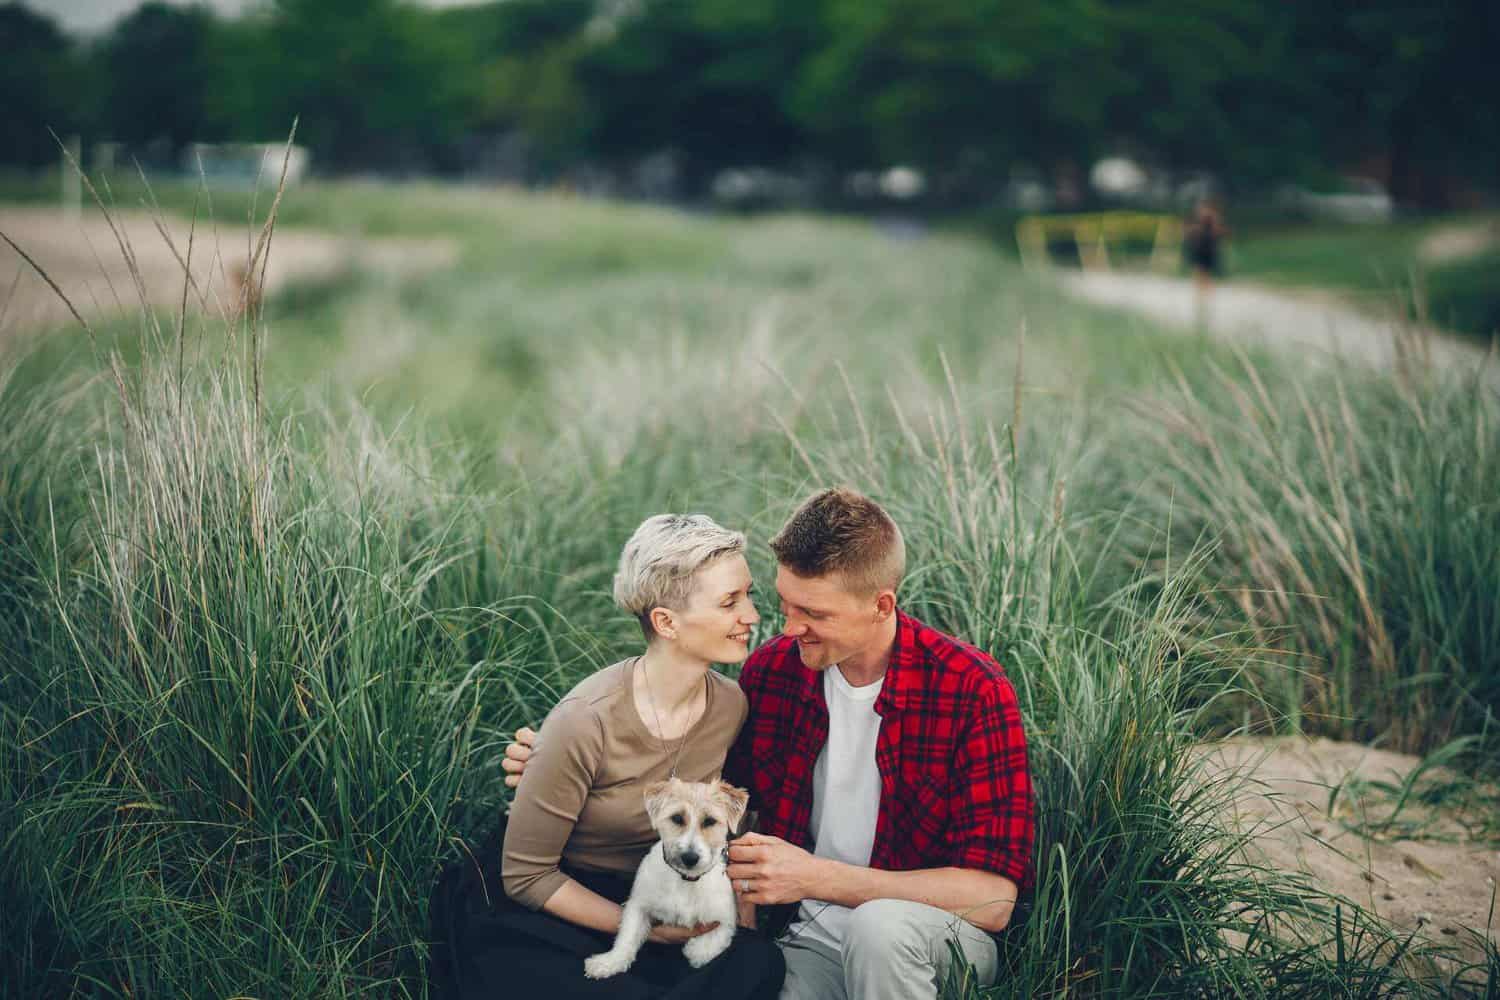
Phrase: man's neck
x=870 y=664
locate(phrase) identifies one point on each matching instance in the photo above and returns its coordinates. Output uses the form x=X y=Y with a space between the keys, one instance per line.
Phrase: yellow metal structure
x=1094 y=232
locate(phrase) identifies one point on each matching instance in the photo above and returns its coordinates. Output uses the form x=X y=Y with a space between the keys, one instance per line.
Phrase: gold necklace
x=660 y=731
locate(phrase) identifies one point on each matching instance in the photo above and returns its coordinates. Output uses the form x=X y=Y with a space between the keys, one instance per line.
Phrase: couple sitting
x=894 y=803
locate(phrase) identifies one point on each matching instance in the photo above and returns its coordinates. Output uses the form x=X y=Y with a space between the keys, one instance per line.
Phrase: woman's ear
x=662 y=623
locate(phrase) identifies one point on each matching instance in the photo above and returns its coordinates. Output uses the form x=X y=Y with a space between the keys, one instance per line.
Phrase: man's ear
x=656 y=797
x=736 y=799
x=885 y=604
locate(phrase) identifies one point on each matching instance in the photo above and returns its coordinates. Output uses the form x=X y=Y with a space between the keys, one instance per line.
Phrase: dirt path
x=1317 y=324
x=1428 y=868
x=86 y=261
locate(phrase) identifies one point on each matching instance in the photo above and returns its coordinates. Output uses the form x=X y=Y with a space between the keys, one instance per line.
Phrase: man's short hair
x=842 y=531
x=658 y=564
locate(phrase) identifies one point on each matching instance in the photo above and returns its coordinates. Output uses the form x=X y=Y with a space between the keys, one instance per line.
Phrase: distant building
x=246 y=163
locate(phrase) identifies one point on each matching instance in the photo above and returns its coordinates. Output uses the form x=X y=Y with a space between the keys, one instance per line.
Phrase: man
x=893 y=791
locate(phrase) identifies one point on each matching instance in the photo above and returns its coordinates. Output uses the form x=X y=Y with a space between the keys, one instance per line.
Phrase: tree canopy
x=966 y=89
x=38 y=87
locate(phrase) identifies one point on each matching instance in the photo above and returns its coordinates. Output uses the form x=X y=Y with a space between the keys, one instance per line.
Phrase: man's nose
x=794 y=628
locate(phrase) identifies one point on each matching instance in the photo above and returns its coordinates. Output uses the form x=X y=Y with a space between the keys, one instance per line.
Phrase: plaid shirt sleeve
x=994 y=813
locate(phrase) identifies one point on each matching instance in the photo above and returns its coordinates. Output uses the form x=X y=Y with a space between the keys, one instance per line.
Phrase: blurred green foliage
x=38 y=86
x=1253 y=92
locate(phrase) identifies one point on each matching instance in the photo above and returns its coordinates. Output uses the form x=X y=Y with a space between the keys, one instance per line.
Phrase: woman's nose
x=752 y=618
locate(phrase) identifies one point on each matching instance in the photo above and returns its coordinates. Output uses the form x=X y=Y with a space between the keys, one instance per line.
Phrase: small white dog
x=683 y=879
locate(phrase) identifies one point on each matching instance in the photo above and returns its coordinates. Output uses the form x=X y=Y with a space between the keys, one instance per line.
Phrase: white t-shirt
x=846 y=779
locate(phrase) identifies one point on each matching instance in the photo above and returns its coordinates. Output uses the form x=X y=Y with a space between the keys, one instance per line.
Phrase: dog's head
x=694 y=820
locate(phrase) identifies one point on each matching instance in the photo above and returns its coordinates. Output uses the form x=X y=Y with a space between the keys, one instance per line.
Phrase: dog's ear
x=737 y=799
x=656 y=796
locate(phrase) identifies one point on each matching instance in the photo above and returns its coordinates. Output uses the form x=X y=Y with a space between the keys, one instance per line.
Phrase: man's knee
x=885 y=930
x=902 y=936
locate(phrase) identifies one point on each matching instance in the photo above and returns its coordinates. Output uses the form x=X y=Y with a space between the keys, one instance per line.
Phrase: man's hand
x=768 y=870
x=668 y=934
x=516 y=756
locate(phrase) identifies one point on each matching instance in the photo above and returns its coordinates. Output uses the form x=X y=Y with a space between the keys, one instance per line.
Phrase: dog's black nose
x=689 y=859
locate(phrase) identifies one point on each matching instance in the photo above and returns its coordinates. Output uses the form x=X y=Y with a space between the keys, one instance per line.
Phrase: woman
x=578 y=827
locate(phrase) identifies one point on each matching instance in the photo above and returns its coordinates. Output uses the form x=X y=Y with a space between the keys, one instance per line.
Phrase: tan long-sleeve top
x=583 y=797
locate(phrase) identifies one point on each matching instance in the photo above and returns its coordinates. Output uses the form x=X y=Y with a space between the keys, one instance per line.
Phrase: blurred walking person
x=1203 y=239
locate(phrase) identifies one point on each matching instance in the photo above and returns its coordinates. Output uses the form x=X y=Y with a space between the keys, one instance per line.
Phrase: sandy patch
x=1450 y=243
x=86 y=261
x=1429 y=863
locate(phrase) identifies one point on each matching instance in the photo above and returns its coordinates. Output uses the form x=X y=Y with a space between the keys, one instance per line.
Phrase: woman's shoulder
x=591 y=699
x=600 y=686
x=727 y=693
x=722 y=683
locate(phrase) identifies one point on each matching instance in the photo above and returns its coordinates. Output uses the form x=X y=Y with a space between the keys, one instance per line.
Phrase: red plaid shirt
x=955 y=789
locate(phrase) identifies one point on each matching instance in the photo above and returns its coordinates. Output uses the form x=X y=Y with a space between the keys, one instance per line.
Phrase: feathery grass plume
x=1141 y=888
x=239 y=709
x=1360 y=534
x=262 y=646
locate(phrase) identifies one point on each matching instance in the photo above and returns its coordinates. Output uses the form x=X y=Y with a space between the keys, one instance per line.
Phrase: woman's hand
x=517 y=754
x=668 y=934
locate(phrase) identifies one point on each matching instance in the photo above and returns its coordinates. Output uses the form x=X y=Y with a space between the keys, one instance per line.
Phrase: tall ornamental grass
x=261 y=653
x=1358 y=519
x=236 y=727
x=1141 y=887
x=273 y=667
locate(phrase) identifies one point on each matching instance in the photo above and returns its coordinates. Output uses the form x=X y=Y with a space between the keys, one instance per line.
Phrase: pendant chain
x=660 y=732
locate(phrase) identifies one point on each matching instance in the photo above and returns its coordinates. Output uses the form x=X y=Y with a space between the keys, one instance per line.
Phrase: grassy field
x=272 y=597
x=1383 y=264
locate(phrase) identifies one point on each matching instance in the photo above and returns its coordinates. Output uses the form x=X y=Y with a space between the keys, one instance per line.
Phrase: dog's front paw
x=604 y=965
x=705 y=948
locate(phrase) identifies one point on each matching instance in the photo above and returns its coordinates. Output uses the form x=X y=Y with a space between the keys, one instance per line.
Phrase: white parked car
x=1361 y=200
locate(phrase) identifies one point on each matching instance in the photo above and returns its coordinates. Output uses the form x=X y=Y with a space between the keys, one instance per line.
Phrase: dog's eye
x=709 y=821
x=679 y=819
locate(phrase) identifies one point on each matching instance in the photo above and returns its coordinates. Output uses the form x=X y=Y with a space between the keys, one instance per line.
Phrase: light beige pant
x=894 y=950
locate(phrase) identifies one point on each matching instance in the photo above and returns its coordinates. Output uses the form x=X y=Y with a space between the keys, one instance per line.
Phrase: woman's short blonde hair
x=659 y=562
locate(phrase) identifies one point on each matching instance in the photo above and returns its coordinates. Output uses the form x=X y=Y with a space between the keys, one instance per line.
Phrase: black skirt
x=485 y=945
x=1203 y=253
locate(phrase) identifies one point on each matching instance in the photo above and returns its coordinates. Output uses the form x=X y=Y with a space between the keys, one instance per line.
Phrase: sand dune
x=89 y=260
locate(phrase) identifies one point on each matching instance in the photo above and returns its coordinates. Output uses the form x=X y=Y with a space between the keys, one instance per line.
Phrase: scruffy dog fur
x=682 y=881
